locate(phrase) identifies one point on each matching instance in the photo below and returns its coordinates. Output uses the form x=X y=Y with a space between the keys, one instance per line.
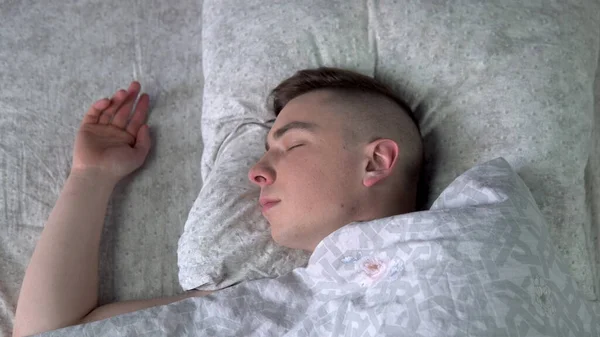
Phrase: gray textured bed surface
x=55 y=60
x=593 y=172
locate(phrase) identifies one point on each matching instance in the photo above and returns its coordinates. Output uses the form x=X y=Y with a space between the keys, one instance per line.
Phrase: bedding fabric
x=485 y=78
x=592 y=173
x=480 y=262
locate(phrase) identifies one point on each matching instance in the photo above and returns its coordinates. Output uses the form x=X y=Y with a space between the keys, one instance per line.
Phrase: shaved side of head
x=369 y=116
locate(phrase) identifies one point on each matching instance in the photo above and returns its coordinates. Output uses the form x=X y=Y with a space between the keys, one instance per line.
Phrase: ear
x=383 y=154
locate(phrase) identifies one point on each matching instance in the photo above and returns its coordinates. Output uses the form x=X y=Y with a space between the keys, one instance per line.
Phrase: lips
x=267 y=203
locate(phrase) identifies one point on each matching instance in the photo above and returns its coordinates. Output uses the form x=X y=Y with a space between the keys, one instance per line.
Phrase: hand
x=109 y=143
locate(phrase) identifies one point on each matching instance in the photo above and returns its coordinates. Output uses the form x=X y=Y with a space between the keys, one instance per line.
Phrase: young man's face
x=316 y=178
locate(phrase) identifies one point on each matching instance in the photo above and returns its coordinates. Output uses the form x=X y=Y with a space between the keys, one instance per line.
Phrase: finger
x=122 y=115
x=139 y=116
x=94 y=112
x=142 y=143
x=116 y=100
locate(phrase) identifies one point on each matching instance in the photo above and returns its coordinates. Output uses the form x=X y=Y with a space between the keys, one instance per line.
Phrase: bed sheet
x=593 y=175
x=55 y=60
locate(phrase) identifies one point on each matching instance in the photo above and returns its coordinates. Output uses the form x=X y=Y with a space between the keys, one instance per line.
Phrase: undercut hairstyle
x=371 y=111
x=307 y=80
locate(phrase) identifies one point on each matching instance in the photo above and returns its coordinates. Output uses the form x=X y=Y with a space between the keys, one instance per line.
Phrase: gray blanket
x=480 y=262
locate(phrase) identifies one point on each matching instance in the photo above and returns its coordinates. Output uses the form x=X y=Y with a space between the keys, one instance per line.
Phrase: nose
x=261 y=175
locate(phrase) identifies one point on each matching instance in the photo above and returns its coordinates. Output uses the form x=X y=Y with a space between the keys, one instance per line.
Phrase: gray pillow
x=485 y=79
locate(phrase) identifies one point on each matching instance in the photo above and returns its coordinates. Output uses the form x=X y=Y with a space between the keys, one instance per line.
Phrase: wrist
x=94 y=178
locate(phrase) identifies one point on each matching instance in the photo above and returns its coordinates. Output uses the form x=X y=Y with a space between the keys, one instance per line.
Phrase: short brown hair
x=307 y=80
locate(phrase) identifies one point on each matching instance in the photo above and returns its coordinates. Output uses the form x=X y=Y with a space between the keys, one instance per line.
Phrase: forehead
x=311 y=113
x=313 y=107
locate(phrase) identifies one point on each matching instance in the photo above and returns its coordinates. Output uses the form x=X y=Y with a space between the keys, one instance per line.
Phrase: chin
x=291 y=244
x=277 y=237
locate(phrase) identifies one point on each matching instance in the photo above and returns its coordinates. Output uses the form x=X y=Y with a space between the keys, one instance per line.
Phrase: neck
x=384 y=206
x=376 y=207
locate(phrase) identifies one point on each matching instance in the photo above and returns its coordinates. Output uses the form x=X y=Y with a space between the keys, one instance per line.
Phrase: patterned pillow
x=486 y=79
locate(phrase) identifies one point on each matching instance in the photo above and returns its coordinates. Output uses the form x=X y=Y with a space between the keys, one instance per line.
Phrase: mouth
x=268 y=206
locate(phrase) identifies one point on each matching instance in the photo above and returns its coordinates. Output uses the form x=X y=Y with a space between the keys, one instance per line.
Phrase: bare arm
x=60 y=287
x=119 y=308
x=61 y=282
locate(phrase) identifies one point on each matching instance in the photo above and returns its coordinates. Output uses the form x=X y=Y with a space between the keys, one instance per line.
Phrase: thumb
x=143 y=141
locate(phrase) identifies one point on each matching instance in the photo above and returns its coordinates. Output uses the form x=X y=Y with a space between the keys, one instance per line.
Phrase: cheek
x=320 y=179
x=307 y=174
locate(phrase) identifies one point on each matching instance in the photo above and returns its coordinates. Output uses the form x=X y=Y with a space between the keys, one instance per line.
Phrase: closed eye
x=295 y=146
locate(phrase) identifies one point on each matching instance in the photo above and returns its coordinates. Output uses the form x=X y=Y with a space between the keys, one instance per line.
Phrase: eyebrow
x=296 y=125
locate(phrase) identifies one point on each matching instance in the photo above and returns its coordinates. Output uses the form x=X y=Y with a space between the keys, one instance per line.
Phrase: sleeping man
x=339 y=178
x=343 y=149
